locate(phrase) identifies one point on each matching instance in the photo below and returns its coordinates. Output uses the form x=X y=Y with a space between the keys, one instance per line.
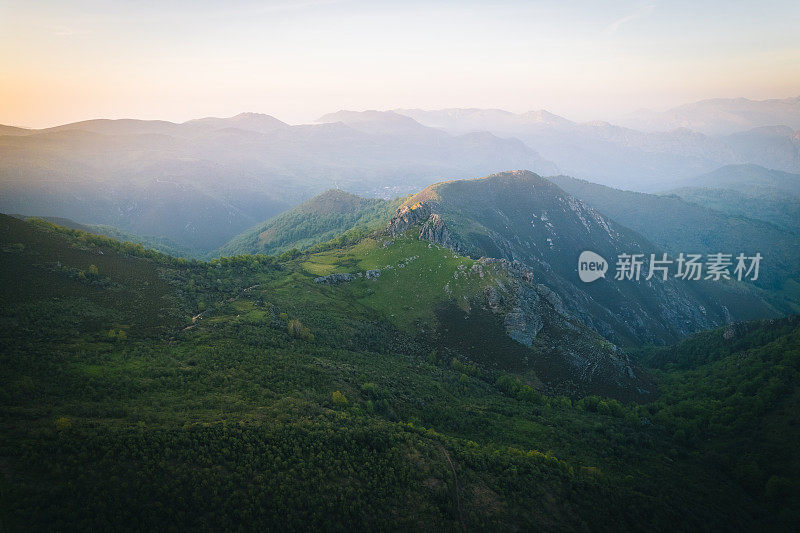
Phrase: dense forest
x=143 y=391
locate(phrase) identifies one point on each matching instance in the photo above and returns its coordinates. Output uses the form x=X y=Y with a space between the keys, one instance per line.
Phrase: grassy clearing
x=415 y=277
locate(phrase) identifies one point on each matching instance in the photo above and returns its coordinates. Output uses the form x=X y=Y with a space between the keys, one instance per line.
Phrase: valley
x=448 y=377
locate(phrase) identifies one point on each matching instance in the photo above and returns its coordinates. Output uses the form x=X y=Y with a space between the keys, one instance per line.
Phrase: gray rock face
x=567 y=356
x=493 y=298
x=408 y=216
x=523 y=324
x=435 y=230
x=333 y=279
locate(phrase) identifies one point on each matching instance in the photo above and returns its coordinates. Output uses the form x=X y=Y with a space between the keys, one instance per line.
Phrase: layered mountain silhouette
x=750 y=180
x=747 y=191
x=201 y=182
x=621 y=156
x=719 y=116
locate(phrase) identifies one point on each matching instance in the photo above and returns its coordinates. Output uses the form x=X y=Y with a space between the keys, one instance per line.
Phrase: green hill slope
x=318 y=220
x=246 y=390
x=159 y=244
x=97 y=281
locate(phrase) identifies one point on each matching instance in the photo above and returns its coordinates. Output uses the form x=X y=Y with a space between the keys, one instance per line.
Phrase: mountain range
x=747 y=191
x=201 y=182
x=719 y=116
x=624 y=157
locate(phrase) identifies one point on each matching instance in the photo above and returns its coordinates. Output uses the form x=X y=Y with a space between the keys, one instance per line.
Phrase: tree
x=339 y=398
x=297 y=330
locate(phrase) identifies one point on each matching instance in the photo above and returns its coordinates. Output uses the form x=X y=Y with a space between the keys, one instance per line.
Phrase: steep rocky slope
x=519 y=216
x=676 y=225
x=490 y=313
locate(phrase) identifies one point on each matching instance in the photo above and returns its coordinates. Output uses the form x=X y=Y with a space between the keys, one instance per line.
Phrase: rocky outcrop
x=333 y=279
x=435 y=230
x=566 y=356
x=432 y=226
x=408 y=216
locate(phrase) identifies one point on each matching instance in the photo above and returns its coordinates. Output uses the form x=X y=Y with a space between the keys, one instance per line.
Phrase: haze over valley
x=201 y=182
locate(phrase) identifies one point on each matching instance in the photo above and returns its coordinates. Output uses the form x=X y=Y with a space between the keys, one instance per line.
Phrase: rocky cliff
x=519 y=216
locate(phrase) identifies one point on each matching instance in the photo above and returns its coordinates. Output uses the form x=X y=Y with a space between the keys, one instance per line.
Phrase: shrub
x=370 y=390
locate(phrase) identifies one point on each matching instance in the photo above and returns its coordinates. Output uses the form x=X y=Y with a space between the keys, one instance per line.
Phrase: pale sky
x=63 y=61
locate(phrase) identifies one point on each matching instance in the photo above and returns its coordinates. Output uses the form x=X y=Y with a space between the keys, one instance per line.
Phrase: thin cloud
x=642 y=12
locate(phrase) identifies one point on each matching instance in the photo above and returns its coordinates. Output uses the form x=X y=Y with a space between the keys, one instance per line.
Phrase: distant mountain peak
x=720 y=116
x=544 y=116
x=370 y=115
x=332 y=201
x=257 y=122
x=383 y=123
x=253 y=114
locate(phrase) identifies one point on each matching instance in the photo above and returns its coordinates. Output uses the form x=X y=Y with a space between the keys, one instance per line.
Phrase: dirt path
x=458 y=487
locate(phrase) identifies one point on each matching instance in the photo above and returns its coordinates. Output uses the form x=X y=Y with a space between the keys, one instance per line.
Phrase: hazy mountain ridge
x=749 y=191
x=201 y=182
x=720 y=116
x=751 y=180
x=776 y=208
x=623 y=156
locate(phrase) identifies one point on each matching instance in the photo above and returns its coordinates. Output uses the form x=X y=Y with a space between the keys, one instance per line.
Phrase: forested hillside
x=734 y=394
x=318 y=220
x=159 y=244
x=146 y=392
